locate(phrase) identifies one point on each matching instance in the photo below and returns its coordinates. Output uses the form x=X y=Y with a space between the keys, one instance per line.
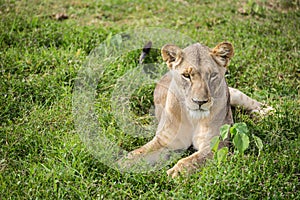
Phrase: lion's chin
x=198 y=114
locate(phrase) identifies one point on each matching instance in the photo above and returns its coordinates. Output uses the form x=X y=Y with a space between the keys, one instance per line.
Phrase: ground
x=43 y=45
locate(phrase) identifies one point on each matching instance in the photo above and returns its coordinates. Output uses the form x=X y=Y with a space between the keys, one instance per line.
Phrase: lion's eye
x=186 y=76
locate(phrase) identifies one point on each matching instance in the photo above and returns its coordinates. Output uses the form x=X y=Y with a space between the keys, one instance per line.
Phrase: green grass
x=41 y=154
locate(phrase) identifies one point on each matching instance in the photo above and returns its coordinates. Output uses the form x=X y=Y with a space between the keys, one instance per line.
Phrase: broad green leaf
x=233 y=131
x=241 y=142
x=222 y=154
x=241 y=127
x=224 y=130
x=214 y=143
x=258 y=142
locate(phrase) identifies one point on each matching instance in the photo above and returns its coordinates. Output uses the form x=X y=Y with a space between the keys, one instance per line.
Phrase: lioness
x=192 y=101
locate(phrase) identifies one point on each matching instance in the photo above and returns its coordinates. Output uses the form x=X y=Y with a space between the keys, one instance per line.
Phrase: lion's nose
x=199 y=102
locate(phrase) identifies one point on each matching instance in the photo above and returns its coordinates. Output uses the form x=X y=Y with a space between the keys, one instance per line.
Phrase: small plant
x=240 y=139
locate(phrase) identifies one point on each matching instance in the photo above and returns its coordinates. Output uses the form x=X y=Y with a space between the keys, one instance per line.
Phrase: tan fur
x=192 y=102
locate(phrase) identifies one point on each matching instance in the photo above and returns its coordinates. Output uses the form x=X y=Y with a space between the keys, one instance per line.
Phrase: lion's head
x=198 y=73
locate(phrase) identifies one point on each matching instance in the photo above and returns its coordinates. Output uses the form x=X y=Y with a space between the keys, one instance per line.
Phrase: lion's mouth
x=199 y=110
x=198 y=113
x=203 y=108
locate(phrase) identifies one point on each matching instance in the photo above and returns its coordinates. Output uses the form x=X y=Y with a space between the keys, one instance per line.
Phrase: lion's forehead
x=198 y=72
x=198 y=56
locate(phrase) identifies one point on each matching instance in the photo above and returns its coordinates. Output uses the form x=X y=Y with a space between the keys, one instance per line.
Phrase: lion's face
x=198 y=73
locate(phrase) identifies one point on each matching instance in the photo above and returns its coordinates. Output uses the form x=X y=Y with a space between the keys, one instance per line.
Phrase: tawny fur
x=192 y=101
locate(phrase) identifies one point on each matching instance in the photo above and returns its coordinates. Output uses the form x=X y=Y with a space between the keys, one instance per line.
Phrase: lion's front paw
x=174 y=171
x=133 y=161
x=125 y=163
x=181 y=167
x=132 y=155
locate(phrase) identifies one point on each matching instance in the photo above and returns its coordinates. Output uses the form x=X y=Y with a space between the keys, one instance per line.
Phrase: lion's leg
x=161 y=145
x=152 y=148
x=171 y=135
x=238 y=98
x=205 y=131
x=143 y=156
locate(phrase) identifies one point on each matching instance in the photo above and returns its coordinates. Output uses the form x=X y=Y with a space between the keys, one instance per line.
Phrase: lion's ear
x=172 y=55
x=222 y=53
